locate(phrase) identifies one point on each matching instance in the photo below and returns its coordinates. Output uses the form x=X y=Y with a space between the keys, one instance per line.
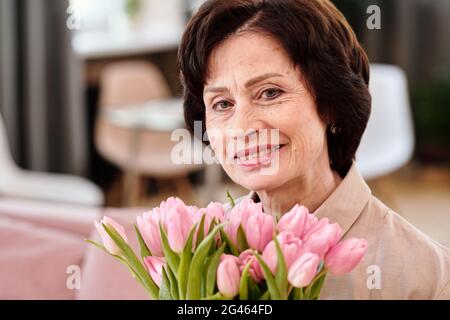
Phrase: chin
x=257 y=181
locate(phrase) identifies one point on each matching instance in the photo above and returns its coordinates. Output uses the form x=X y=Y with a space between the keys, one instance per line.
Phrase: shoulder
x=408 y=252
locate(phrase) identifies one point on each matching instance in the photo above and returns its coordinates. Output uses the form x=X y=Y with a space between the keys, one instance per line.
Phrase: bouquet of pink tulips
x=243 y=253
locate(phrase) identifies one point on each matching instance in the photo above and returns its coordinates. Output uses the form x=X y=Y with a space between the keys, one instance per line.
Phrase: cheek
x=307 y=134
x=216 y=135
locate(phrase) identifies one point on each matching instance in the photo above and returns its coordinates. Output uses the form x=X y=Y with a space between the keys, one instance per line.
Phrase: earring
x=334 y=130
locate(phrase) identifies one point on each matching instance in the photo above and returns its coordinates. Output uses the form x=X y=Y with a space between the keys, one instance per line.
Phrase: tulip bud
x=298 y=221
x=109 y=243
x=291 y=247
x=148 y=225
x=303 y=270
x=259 y=229
x=323 y=236
x=238 y=215
x=155 y=266
x=214 y=210
x=228 y=276
x=254 y=270
x=345 y=256
x=178 y=222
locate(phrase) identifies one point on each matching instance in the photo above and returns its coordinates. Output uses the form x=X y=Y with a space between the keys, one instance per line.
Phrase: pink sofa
x=42 y=248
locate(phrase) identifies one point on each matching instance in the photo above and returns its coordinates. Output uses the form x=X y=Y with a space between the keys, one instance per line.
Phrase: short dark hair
x=317 y=38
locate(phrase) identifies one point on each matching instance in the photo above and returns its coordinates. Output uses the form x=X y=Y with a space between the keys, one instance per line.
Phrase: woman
x=295 y=67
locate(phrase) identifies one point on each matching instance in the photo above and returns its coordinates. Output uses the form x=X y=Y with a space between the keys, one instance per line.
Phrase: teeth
x=259 y=154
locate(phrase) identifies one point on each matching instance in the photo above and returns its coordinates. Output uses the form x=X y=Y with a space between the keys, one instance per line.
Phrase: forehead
x=243 y=55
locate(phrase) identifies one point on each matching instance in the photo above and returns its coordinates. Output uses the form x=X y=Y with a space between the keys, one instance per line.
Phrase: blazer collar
x=346 y=203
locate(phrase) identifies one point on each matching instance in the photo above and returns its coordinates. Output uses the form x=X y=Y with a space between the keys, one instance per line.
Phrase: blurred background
x=89 y=97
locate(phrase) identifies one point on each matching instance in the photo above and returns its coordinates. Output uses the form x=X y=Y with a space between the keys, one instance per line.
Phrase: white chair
x=18 y=183
x=138 y=150
x=388 y=142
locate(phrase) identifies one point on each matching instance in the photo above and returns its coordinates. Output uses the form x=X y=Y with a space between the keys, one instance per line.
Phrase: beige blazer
x=401 y=262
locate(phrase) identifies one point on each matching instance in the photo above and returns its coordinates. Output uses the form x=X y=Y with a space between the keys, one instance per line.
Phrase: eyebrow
x=249 y=83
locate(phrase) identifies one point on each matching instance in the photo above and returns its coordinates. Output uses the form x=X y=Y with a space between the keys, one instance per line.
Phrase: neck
x=310 y=190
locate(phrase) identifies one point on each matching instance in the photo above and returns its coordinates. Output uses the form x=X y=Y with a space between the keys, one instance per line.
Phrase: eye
x=221 y=106
x=271 y=93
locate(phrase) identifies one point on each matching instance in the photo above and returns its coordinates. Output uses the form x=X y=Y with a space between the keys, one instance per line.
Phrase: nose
x=245 y=123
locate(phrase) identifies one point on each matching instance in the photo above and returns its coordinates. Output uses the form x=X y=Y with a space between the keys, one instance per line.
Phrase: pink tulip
x=303 y=270
x=316 y=227
x=195 y=213
x=239 y=215
x=148 y=225
x=345 y=256
x=322 y=237
x=155 y=266
x=170 y=203
x=298 y=221
x=254 y=270
x=258 y=230
x=109 y=243
x=290 y=245
x=214 y=210
x=228 y=276
x=178 y=223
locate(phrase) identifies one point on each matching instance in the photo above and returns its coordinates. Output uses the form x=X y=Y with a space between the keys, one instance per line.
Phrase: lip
x=254 y=149
x=252 y=164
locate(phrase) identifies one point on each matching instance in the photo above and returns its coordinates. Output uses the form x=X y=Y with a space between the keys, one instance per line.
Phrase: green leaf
x=164 y=291
x=231 y=246
x=133 y=261
x=243 y=284
x=281 y=274
x=298 y=294
x=270 y=281
x=265 y=296
x=173 y=284
x=211 y=227
x=212 y=270
x=201 y=227
x=172 y=258
x=185 y=261
x=145 y=251
x=98 y=245
x=316 y=286
x=230 y=199
x=121 y=259
x=254 y=292
x=217 y=296
x=197 y=264
x=241 y=239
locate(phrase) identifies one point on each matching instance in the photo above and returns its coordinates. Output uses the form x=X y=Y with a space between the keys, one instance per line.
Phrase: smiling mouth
x=255 y=153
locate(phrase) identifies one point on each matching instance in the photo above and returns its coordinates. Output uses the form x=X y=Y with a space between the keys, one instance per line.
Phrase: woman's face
x=252 y=90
